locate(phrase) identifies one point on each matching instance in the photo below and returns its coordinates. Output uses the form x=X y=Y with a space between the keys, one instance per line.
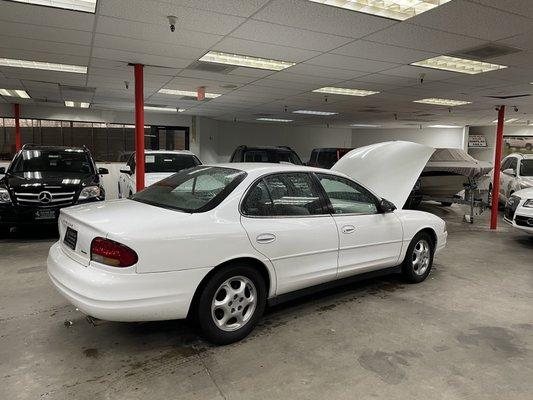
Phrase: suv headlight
x=528 y=203
x=4 y=196
x=89 y=192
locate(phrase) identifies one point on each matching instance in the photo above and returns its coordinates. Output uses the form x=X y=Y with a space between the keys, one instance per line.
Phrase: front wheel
x=231 y=304
x=419 y=258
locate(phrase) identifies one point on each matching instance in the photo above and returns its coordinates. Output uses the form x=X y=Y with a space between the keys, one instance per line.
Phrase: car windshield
x=526 y=168
x=64 y=161
x=193 y=190
x=169 y=162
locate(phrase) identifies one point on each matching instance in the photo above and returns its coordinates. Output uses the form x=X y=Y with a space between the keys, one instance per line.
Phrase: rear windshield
x=526 y=168
x=169 y=162
x=68 y=160
x=272 y=156
x=193 y=190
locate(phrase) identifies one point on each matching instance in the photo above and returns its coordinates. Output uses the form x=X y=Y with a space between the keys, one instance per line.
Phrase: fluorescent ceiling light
x=77 y=104
x=189 y=93
x=443 y=126
x=395 y=9
x=154 y=108
x=14 y=93
x=275 y=119
x=76 y=5
x=507 y=121
x=365 y=126
x=442 y=102
x=461 y=65
x=8 y=62
x=182 y=109
x=245 y=61
x=311 y=112
x=345 y=91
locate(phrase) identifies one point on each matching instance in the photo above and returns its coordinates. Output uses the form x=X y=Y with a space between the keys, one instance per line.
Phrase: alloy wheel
x=234 y=303
x=421 y=257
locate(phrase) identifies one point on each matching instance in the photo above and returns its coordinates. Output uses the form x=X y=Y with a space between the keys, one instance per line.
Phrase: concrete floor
x=465 y=333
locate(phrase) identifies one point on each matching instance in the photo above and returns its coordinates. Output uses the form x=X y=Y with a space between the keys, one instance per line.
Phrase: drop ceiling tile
x=382 y=52
x=232 y=7
x=333 y=74
x=33 y=55
x=312 y=79
x=147 y=47
x=522 y=59
x=216 y=77
x=37 y=32
x=286 y=36
x=31 y=45
x=523 y=41
x=265 y=50
x=155 y=32
x=321 y=18
x=149 y=11
x=520 y=7
x=470 y=19
x=29 y=15
x=410 y=71
x=250 y=72
x=140 y=58
x=350 y=63
x=421 y=38
x=389 y=80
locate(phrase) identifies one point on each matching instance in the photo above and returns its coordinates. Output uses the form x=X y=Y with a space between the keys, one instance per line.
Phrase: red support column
x=18 y=141
x=139 y=127
x=497 y=166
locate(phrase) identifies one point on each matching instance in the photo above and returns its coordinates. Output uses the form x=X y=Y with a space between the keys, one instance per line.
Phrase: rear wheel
x=231 y=303
x=419 y=258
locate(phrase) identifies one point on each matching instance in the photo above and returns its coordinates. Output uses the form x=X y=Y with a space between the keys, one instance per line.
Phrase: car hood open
x=389 y=169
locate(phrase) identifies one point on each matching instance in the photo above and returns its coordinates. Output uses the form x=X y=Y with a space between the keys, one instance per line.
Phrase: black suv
x=267 y=154
x=42 y=179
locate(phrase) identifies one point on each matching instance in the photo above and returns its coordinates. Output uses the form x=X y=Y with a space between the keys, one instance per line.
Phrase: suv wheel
x=419 y=258
x=231 y=303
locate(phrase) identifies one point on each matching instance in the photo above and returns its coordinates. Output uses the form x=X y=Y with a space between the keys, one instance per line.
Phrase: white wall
x=435 y=137
x=487 y=154
x=218 y=139
x=92 y=115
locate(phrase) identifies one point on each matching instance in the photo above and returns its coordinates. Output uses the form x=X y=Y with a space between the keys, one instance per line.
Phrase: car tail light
x=112 y=253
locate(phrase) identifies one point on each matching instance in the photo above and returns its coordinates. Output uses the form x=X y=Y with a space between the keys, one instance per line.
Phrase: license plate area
x=71 y=238
x=45 y=214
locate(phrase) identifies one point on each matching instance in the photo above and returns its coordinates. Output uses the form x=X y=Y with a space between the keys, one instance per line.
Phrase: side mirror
x=509 y=171
x=103 y=171
x=126 y=170
x=386 y=206
x=2 y=170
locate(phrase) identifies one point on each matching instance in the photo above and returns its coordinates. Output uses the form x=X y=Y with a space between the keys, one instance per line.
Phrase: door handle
x=265 y=238
x=347 y=229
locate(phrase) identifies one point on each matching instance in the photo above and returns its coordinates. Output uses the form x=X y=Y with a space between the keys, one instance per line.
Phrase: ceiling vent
x=512 y=96
x=486 y=51
x=211 y=67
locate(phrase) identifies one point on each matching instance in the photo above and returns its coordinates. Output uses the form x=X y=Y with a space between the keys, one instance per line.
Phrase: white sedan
x=158 y=165
x=219 y=242
x=519 y=210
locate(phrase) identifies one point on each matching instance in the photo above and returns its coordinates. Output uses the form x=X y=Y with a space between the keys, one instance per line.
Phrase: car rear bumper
x=120 y=296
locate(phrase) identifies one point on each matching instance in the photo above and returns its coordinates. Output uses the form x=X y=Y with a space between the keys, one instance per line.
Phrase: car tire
x=418 y=260
x=4 y=231
x=231 y=303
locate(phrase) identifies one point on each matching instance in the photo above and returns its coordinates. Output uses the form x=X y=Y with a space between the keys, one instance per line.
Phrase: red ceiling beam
x=18 y=140
x=497 y=166
x=139 y=126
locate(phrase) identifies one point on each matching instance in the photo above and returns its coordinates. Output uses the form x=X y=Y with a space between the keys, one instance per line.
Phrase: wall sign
x=477 y=141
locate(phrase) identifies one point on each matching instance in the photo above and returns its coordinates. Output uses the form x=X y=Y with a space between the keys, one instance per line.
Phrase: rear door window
x=287 y=194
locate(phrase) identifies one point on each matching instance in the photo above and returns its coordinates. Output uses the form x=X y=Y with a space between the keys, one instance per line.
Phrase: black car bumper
x=15 y=215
